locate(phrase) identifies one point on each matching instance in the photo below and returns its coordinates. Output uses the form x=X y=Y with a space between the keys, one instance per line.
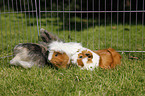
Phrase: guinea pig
x=60 y=53
x=87 y=59
x=29 y=54
x=109 y=58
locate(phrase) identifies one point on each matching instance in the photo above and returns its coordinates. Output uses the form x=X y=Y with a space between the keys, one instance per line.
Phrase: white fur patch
x=50 y=55
x=21 y=58
x=88 y=66
x=75 y=56
x=26 y=64
x=69 y=48
x=15 y=60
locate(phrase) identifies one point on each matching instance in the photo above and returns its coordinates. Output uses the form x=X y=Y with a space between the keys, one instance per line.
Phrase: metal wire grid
x=36 y=13
x=16 y=24
x=124 y=11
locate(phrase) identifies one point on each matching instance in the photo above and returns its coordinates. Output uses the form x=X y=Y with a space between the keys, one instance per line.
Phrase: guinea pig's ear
x=47 y=37
x=116 y=57
x=114 y=52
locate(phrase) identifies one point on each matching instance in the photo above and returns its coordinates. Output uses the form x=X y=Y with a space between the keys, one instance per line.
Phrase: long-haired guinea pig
x=109 y=58
x=87 y=59
x=29 y=54
x=60 y=53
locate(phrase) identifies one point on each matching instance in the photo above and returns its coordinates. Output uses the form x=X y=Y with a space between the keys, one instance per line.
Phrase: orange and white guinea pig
x=60 y=53
x=87 y=59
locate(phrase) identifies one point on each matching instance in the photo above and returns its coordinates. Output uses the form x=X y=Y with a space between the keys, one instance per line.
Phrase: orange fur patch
x=109 y=58
x=84 y=54
x=60 y=60
x=79 y=60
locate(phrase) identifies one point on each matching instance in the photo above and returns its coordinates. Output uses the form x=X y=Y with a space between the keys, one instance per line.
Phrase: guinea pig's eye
x=56 y=54
x=80 y=56
x=89 y=56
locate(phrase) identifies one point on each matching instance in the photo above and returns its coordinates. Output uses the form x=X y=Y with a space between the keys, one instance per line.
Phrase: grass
x=127 y=79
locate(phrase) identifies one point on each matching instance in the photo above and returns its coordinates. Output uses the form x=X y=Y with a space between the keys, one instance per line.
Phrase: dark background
x=81 y=5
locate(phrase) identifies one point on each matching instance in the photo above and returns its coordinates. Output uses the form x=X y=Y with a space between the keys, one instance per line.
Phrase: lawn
x=127 y=79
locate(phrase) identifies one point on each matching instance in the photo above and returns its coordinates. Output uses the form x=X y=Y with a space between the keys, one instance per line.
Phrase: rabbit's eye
x=56 y=55
x=80 y=56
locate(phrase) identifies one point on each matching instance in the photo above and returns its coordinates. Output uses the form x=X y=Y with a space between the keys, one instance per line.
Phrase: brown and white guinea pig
x=87 y=59
x=29 y=54
x=60 y=53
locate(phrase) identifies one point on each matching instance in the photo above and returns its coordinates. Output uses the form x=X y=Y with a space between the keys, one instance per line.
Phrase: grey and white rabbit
x=30 y=54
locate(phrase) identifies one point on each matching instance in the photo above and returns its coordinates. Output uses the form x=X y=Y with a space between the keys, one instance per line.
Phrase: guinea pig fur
x=109 y=58
x=86 y=59
x=60 y=53
x=29 y=54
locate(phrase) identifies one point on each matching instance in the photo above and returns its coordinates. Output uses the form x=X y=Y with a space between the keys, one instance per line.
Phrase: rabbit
x=88 y=59
x=60 y=53
x=30 y=54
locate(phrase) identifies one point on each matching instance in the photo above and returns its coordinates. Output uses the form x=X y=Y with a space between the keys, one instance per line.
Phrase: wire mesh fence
x=97 y=24
x=18 y=24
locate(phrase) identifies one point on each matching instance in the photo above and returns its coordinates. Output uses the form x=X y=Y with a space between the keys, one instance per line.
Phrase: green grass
x=127 y=79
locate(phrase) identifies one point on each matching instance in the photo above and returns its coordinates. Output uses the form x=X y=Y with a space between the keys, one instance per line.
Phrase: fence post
x=37 y=17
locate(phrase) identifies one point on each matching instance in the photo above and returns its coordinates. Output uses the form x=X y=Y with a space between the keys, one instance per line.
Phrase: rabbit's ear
x=48 y=37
